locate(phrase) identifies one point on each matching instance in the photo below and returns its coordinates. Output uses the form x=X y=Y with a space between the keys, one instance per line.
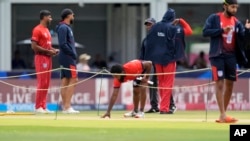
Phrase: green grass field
x=87 y=126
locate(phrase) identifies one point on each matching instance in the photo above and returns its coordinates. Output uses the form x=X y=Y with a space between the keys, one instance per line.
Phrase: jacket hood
x=169 y=16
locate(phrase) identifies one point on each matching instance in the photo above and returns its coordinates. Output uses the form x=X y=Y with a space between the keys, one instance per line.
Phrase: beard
x=230 y=14
x=71 y=21
x=48 y=23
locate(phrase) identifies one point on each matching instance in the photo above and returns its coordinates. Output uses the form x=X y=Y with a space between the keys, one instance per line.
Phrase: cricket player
x=41 y=44
x=227 y=34
x=138 y=68
x=67 y=59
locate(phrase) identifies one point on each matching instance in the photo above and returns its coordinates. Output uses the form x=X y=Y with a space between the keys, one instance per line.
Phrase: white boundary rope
x=79 y=82
x=205 y=84
x=106 y=72
x=180 y=72
x=22 y=75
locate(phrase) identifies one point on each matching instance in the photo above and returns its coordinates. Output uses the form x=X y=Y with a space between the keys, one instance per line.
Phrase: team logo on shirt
x=237 y=30
x=178 y=30
x=45 y=65
x=45 y=34
x=160 y=34
x=49 y=43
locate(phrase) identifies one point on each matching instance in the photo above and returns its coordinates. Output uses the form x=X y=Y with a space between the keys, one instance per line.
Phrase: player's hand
x=106 y=115
x=227 y=29
x=51 y=52
x=247 y=25
x=57 y=51
x=144 y=80
x=176 y=21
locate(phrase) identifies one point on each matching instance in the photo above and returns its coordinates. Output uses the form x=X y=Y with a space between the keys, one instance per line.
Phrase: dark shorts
x=136 y=82
x=69 y=71
x=224 y=67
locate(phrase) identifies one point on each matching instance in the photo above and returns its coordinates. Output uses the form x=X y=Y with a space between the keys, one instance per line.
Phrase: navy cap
x=150 y=20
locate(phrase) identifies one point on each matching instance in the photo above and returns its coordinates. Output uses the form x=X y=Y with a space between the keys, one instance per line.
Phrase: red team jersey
x=43 y=62
x=224 y=22
x=41 y=35
x=131 y=67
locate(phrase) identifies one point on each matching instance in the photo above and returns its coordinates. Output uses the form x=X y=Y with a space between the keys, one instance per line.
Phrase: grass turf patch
x=87 y=126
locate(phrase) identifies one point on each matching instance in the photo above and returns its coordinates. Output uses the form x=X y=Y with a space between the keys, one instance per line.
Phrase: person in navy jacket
x=161 y=50
x=67 y=59
x=183 y=30
x=153 y=95
x=226 y=34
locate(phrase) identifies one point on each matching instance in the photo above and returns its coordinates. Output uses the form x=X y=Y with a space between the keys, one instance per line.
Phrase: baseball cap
x=150 y=20
x=66 y=12
x=229 y=2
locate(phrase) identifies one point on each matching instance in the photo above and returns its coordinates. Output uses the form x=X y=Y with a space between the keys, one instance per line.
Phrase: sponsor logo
x=160 y=34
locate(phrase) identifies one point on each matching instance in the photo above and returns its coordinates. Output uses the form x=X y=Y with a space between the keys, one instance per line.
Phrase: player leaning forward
x=41 y=44
x=131 y=70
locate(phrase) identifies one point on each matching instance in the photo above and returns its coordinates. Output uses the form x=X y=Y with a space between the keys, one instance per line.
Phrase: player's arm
x=209 y=30
x=36 y=35
x=39 y=49
x=112 y=102
x=186 y=27
x=56 y=50
x=147 y=67
x=247 y=30
x=62 y=38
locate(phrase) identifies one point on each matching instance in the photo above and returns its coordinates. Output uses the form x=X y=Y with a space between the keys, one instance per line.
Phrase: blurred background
x=107 y=30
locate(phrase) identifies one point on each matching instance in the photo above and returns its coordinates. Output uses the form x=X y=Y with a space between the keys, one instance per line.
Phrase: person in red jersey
x=138 y=69
x=227 y=34
x=41 y=44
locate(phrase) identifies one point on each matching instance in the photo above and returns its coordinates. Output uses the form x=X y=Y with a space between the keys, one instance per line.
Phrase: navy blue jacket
x=66 y=43
x=142 y=52
x=160 y=42
x=180 y=44
x=212 y=29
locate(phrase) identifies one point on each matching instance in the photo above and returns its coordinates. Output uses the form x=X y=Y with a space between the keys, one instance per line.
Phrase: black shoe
x=163 y=112
x=173 y=109
x=153 y=110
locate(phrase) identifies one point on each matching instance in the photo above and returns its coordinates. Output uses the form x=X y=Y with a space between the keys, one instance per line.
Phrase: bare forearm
x=112 y=100
x=40 y=49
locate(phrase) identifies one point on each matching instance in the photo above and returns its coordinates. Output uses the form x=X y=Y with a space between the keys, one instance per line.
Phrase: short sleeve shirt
x=132 y=67
x=41 y=35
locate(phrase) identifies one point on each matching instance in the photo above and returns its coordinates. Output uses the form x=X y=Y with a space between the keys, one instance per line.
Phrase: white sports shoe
x=40 y=111
x=70 y=111
x=130 y=114
x=139 y=115
x=49 y=112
